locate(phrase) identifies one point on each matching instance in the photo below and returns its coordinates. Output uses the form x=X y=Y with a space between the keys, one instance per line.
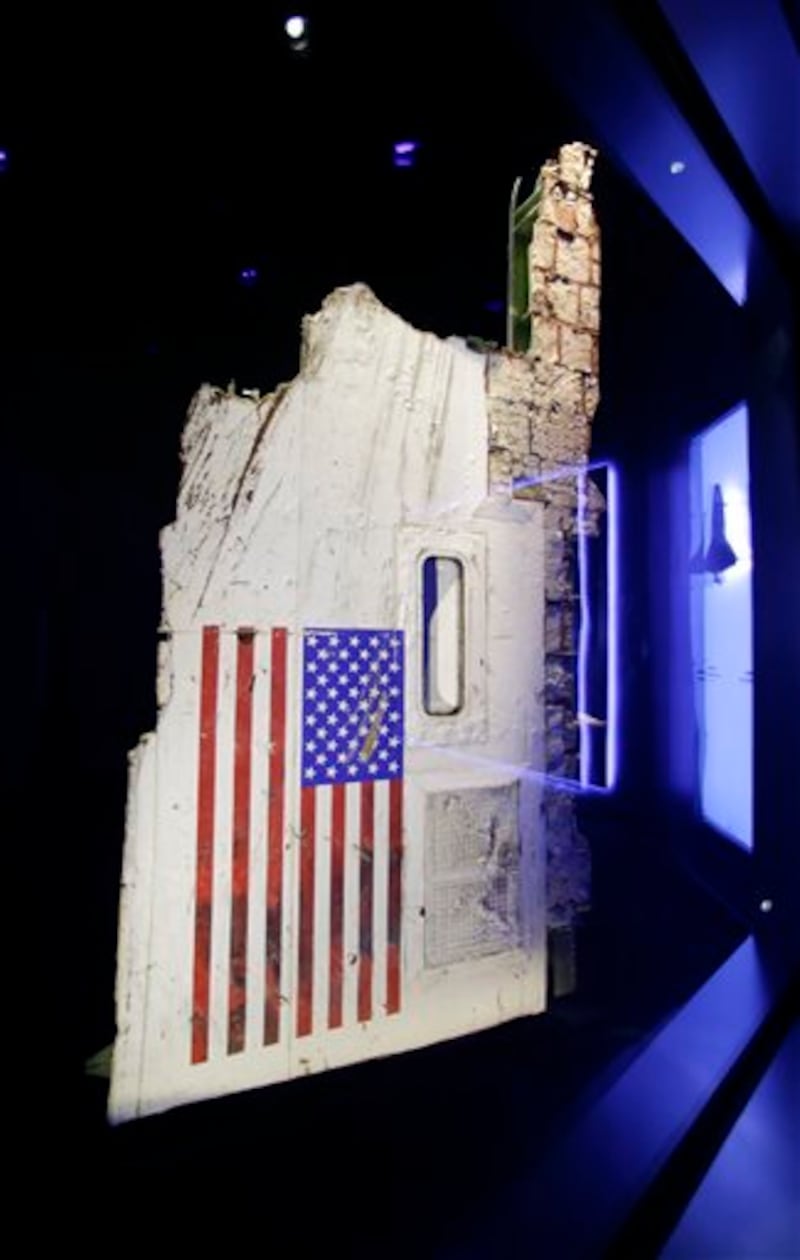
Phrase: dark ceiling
x=147 y=166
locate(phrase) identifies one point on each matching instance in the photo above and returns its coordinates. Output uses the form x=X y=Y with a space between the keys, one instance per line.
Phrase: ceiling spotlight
x=248 y=276
x=295 y=28
x=677 y=168
x=3 y=160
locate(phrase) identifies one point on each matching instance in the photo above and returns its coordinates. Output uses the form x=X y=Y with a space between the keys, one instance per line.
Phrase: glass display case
x=573 y=1110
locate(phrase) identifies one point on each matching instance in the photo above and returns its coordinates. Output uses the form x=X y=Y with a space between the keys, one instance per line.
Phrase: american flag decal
x=346 y=741
x=352 y=743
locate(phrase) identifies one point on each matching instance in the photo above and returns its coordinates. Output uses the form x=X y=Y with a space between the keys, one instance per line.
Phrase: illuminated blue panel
x=721 y=570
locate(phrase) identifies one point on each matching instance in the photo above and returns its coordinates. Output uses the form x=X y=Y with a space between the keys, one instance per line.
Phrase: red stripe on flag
x=204 y=877
x=395 y=896
x=277 y=767
x=337 y=905
x=240 y=859
x=366 y=850
x=305 y=961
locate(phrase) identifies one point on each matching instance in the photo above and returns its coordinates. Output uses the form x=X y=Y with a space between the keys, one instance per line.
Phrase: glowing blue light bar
x=589 y=772
x=584 y=733
x=612 y=630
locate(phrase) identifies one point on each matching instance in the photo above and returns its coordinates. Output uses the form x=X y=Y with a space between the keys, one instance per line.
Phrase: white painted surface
x=316 y=507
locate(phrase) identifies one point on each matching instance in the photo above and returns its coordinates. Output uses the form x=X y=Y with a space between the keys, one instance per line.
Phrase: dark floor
x=748 y=1204
x=389 y=1158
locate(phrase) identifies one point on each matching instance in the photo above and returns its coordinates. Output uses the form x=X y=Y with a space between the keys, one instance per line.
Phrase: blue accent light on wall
x=404 y=152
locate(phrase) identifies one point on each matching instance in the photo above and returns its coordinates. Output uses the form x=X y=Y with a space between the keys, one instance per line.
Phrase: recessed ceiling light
x=295 y=27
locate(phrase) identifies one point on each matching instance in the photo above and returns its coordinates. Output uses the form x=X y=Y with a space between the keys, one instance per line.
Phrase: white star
x=352 y=770
x=353 y=693
x=373 y=767
x=354 y=640
x=311 y=746
x=364 y=654
x=342 y=759
x=333 y=638
x=393 y=666
x=310 y=772
x=383 y=655
x=394 y=741
x=331 y=719
x=344 y=655
x=333 y=667
x=322 y=706
x=343 y=706
x=321 y=758
x=311 y=720
x=311 y=638
x=312 y=667
x=331 y=772
x=333 y=693
x=394 y=716
x=394 y=766
x=382 y=755
x=331 y=745
x=323 y=654
x=394 y=692
x=353 y=667
x=374 y=641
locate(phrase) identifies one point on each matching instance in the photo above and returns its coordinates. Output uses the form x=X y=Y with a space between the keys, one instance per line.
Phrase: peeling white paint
x=315 y=507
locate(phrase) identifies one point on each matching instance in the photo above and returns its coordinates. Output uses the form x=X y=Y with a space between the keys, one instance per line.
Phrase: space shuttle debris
x=337 y=837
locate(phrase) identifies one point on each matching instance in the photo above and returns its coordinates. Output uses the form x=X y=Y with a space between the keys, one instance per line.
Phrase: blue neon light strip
x=612 y=621
x=612 y=746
